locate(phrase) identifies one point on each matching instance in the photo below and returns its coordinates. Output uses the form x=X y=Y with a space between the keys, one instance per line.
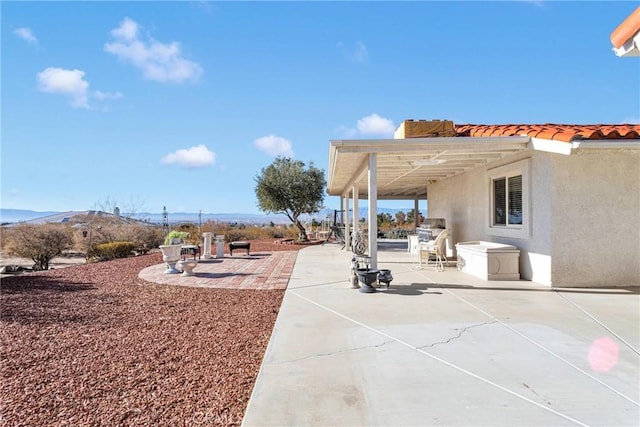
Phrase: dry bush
x=109 y=251
x=100 y=232
x=39 y=243
x=235 y=232
x=193 y=236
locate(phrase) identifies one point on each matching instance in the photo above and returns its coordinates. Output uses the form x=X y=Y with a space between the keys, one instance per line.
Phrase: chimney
x=424 y=129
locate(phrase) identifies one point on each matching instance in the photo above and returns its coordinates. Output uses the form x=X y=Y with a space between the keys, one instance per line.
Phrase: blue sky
x=181 y=104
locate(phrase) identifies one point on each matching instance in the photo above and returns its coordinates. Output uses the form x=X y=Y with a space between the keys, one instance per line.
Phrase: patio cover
x=405 y=166
x=400 y=169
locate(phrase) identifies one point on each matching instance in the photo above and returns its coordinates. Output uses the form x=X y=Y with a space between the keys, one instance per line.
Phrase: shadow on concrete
x=218 y=275
x=408 y=290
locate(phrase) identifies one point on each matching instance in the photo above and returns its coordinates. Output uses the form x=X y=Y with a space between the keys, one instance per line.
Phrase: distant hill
x=18 y=215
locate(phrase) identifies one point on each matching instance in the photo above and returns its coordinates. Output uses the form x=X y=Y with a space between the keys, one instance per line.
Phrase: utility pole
x=199 y=221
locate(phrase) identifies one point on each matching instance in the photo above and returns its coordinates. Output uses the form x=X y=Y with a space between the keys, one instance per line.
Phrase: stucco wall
x=464 y=202
x=576 y=238
x=596 y=218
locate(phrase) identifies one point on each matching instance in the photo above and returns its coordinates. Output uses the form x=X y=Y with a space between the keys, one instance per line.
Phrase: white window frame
x=518 y=231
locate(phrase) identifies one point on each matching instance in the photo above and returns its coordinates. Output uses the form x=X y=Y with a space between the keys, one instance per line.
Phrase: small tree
x=411 y=216
x=384 y=219
x=286 y=187
x=40 y=243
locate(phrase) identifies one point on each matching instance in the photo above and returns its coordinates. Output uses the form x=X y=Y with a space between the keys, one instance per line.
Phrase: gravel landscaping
x=94 y=345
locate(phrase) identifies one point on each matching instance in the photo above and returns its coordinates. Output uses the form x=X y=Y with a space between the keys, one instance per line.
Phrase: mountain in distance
x=19 y=215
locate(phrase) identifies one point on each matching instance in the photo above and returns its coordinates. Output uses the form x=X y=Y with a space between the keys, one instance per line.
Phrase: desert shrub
x=397 y=233
x=142 y=235
x=108 y=251
x=193 y=236
x=150 y=237
x=39 y=243
x=236 y=232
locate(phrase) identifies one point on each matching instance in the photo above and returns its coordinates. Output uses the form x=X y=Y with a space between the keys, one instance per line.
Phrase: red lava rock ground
x=94 y=345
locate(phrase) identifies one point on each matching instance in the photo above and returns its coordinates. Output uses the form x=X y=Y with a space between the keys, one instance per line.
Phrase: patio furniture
x=338 y=233
x=436 y=248
x=192 y=250
x=239 y=245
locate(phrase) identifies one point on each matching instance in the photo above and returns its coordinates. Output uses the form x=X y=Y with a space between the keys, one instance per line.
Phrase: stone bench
x=239 y=245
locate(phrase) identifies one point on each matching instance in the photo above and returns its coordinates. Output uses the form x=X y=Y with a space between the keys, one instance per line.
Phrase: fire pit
x=367 y=277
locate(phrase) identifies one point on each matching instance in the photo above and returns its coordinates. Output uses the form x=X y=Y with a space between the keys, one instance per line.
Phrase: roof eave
x=609 y=144
x=630 y=48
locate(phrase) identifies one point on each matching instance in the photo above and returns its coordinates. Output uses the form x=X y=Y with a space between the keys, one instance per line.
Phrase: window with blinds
x=507 y=200
x=514 y=202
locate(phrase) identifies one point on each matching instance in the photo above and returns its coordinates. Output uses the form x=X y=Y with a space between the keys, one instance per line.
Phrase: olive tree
x=39 y=243
x=286 y=187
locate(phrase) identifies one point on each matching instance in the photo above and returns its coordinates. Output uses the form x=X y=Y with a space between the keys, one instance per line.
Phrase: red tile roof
x=558 y=132
x=626 y=30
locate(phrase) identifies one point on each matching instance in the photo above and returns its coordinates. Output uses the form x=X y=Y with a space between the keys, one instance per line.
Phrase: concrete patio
x=445 y=348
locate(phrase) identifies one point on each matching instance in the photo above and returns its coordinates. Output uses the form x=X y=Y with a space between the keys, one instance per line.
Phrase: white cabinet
x=488 y=260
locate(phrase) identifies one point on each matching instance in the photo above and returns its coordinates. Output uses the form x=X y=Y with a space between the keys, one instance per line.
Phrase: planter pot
x=367 y=277
x=385 y=277
x=171 y=255
x=187 y=266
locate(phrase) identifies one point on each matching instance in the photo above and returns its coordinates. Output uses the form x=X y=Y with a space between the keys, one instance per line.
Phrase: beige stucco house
x=567 y=196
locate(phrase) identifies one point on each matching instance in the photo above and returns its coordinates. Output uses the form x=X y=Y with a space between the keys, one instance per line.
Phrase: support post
x=356 y=209
x=347 y=235
x=373 y=209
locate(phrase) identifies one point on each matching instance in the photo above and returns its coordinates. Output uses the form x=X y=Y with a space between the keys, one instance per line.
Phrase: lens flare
x=603 y=354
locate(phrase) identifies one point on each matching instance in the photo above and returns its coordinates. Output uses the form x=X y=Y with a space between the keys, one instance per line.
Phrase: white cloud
x=371 y=125
x=161 y=62
x=107 y=95
x=127 y=31
x=357 y=53
x=375 y=125
x=198 y=156
x=26 y=34
x=274 y=146
x=70 y=83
